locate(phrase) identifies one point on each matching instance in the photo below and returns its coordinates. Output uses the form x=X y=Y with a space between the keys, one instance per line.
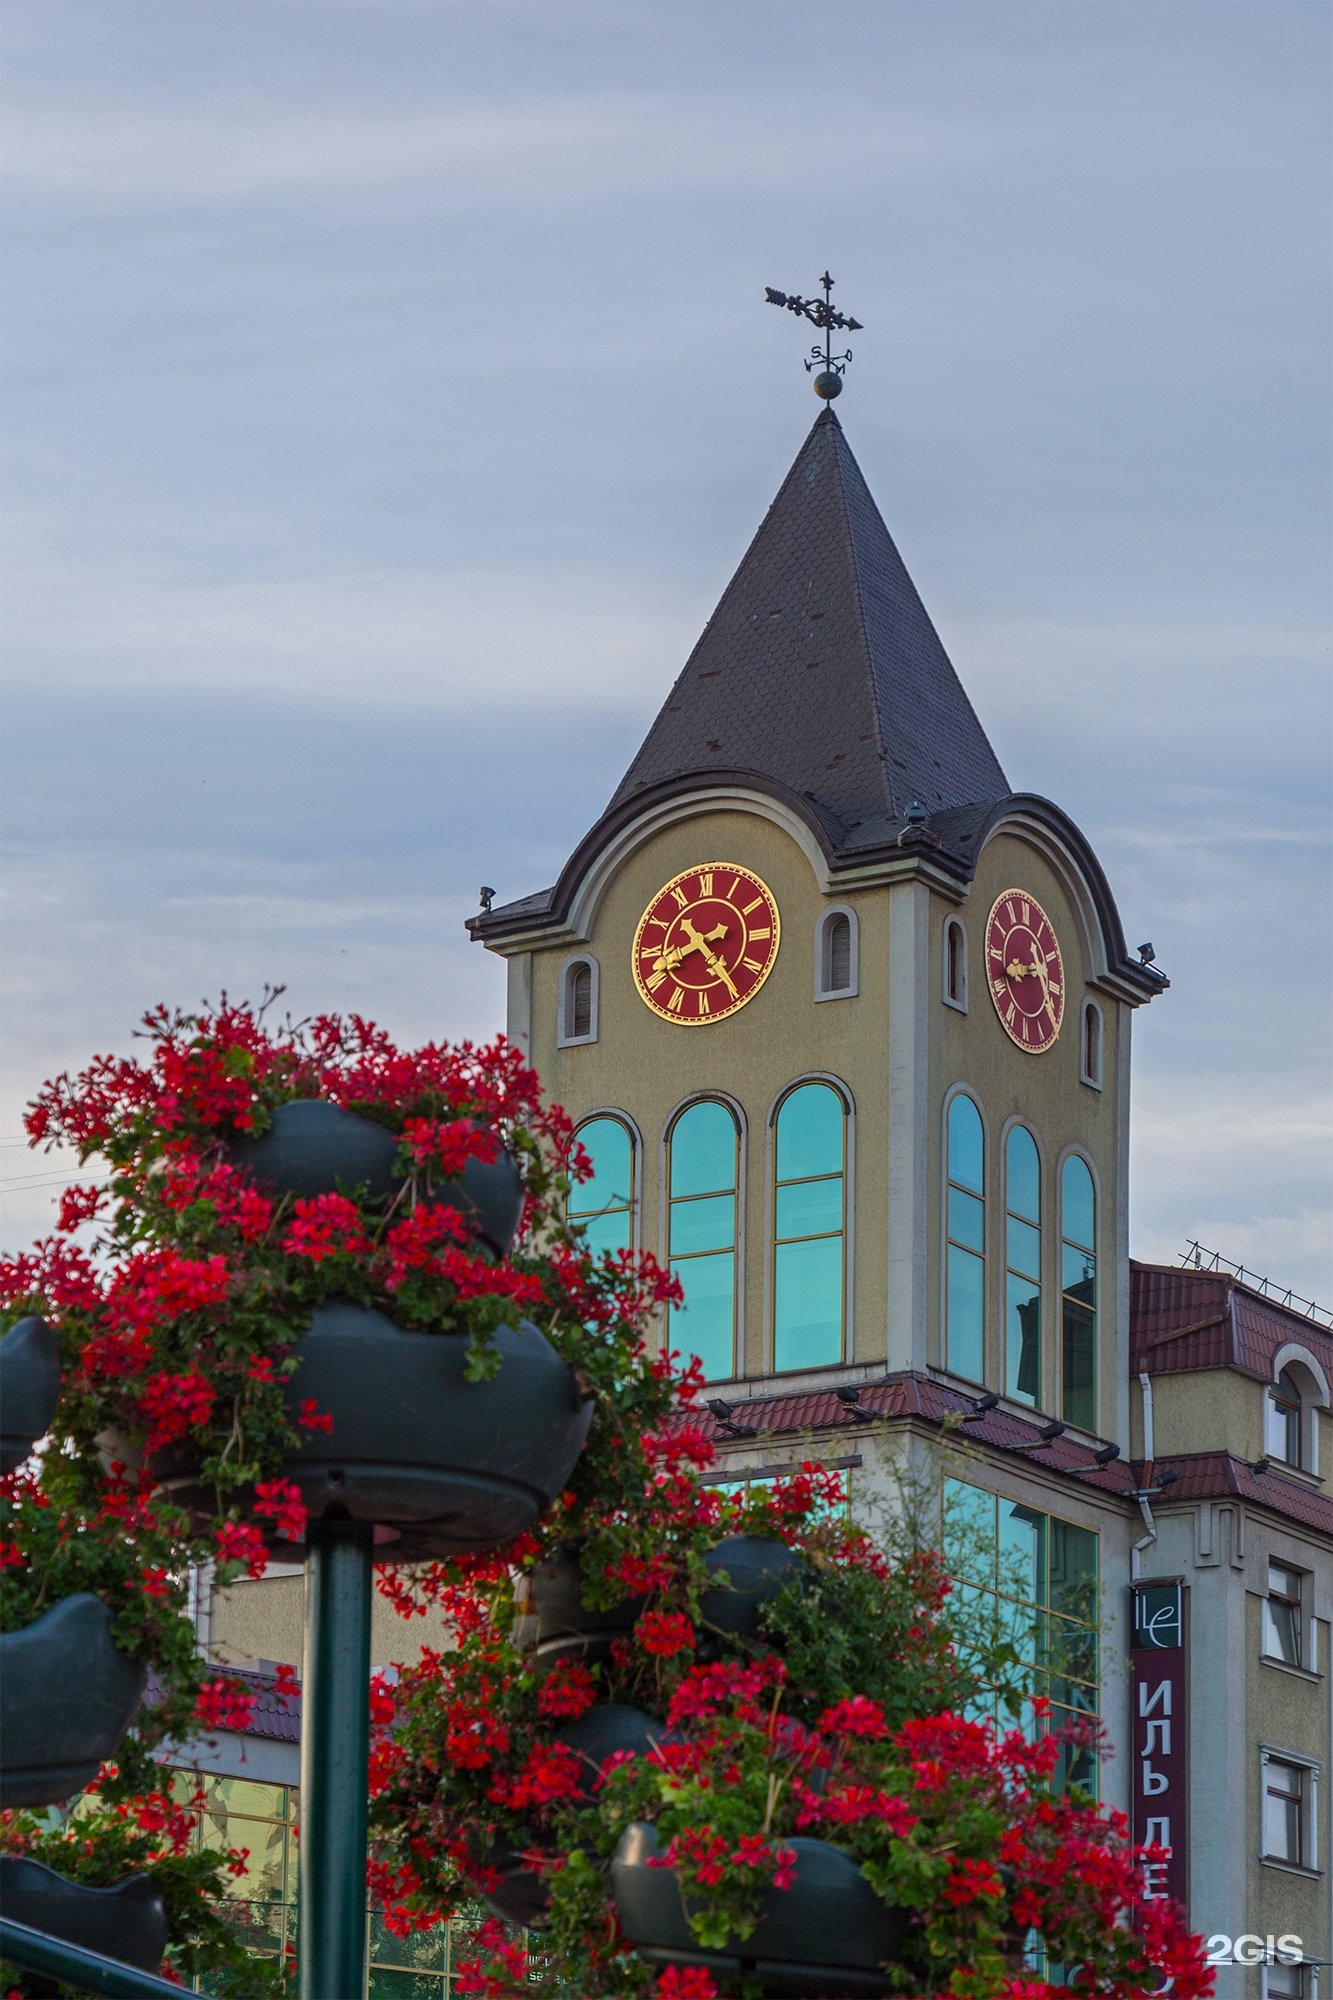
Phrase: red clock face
x=705 y=944
x=1025 y=971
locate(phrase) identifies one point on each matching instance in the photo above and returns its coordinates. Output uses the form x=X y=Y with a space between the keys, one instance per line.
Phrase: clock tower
x=894 y=1140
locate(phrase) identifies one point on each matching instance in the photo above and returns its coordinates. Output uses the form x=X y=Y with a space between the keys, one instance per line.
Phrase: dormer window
x=1090 y=1045
x=1282 y=1424
x=955 y=964
x=836 y=956
x=578 y=1002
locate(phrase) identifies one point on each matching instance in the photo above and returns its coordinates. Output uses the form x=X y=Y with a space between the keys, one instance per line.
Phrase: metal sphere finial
x=828 y=384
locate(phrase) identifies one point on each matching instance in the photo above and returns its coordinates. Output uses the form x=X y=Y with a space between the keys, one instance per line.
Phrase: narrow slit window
x=835 y=956
x=1092 y=1043
x=703 y=1175
x=1078 y=1294
x=1022 y=1257
x=955 y=964
x=965 y=1242
x=809 y=1224
x=578 y=1002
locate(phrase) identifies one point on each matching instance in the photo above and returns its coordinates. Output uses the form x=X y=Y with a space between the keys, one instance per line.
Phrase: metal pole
x=84 y=1971
x=335 y=1747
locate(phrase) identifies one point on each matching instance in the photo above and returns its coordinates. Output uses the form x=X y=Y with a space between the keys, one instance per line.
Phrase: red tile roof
x=1183 y=1319
x=1210 y=1475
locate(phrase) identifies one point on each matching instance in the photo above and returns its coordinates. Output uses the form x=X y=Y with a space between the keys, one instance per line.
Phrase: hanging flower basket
x=826 y=1935
x=756 y=1568
x=127 y=1921
x=442 y=1465
x=563 y=1628
x=29 y=1386
x=67 y=1697
x=313 y=1148
x=521 y=1895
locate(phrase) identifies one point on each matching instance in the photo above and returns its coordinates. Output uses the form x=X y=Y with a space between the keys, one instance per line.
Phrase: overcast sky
x=389 y=395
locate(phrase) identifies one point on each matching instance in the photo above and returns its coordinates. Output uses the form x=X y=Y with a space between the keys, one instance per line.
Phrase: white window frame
x=1272 y=1753
x=823 y=990
x=1309 y=1978
x=1305 y=1626
x=959 y=1004
x=565 y=1038
x=1091 y=1073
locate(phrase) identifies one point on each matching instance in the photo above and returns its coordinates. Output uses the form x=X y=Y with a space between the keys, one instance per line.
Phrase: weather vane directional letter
x=820 y=313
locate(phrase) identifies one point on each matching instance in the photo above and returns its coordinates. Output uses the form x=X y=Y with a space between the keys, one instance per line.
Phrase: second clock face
x=1025 y=971
x=705 y=944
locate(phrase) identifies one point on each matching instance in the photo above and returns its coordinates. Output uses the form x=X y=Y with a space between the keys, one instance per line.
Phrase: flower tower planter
x=67 y=1697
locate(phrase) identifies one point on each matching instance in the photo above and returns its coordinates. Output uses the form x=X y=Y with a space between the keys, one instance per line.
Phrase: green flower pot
x=825 y=1938
x=67 y=1697
x=29 y=1386
x=756 y=1568
x=127 y=1922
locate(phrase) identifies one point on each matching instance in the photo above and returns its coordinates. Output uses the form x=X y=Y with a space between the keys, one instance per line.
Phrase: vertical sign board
x=1158 y=1723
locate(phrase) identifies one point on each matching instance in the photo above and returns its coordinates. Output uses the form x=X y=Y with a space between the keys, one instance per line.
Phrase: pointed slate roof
x=820 y=669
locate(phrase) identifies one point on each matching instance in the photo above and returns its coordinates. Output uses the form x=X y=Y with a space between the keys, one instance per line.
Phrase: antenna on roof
x=832 y=367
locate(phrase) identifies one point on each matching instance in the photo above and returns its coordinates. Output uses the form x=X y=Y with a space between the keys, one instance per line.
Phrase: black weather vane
x=820 y=313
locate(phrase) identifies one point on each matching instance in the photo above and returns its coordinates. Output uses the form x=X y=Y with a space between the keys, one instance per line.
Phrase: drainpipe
x=1146 y=1540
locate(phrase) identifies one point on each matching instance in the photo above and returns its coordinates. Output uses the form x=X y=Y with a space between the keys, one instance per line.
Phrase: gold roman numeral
x=1009 y=913
x=704 y=1007
x=706 y=884
x=752 y=965
x=677 y=1001
x=681 y=898
x=1010 y=1012
x=1027 y=913
x=757 y=904
x=655 y=981
x=766 y=932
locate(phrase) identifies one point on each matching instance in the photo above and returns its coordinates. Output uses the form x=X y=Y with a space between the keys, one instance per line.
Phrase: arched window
x=603 y=1207
x=1282 y=1424
x=1078 y=1294
x=578 y=1002
x=835 y=956
x=1090 y=1045
x=955 y=963
x=703 y=1173
x=809 y=1220
x=965 y=1245
x=1022 y=1258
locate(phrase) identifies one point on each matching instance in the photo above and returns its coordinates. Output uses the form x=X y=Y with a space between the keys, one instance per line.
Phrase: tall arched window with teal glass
x=1078 y=1294
x=1022 y=1261
x=703 y=1174
x=603 y=1207
x=965 y=1242
x=809 y=1228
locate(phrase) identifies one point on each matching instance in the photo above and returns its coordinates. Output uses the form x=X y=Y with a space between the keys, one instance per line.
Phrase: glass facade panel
x=810 y=1208
x=604 y=1206
x=703 y=1151
x=1078 y=1288
x=965 y=1259
x=703 y=1175
x=967 y=1313
x=1022 y=1340
x=811 y=1125
x=706 y=1223
x=1022 y=1255
x=807 y=1292
x=1030 y=1581
x=967 y=1145
x=706 y=1324
x=809 y=1214
x=1023 y=1172
x=967 y=1220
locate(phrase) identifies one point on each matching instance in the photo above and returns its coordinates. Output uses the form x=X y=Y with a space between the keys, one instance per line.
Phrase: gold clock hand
x=1039 y=967
x=701 y=943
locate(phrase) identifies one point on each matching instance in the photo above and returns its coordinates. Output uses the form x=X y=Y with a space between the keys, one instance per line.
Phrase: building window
x=603 y=1207
x=1283 y=1625
x=1078 y=1294
x=1028 y=1581
x=703 y=1177
x=578 y=1002
x=1090 y=1045
x=1282 y=1426
x=1288 y=1816
x=836 y=956
x=1022 y=1257
x=955 y=964
x=965 y=1242
x=244 y=1814
x=1290 y=1982
x=809 y=1224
